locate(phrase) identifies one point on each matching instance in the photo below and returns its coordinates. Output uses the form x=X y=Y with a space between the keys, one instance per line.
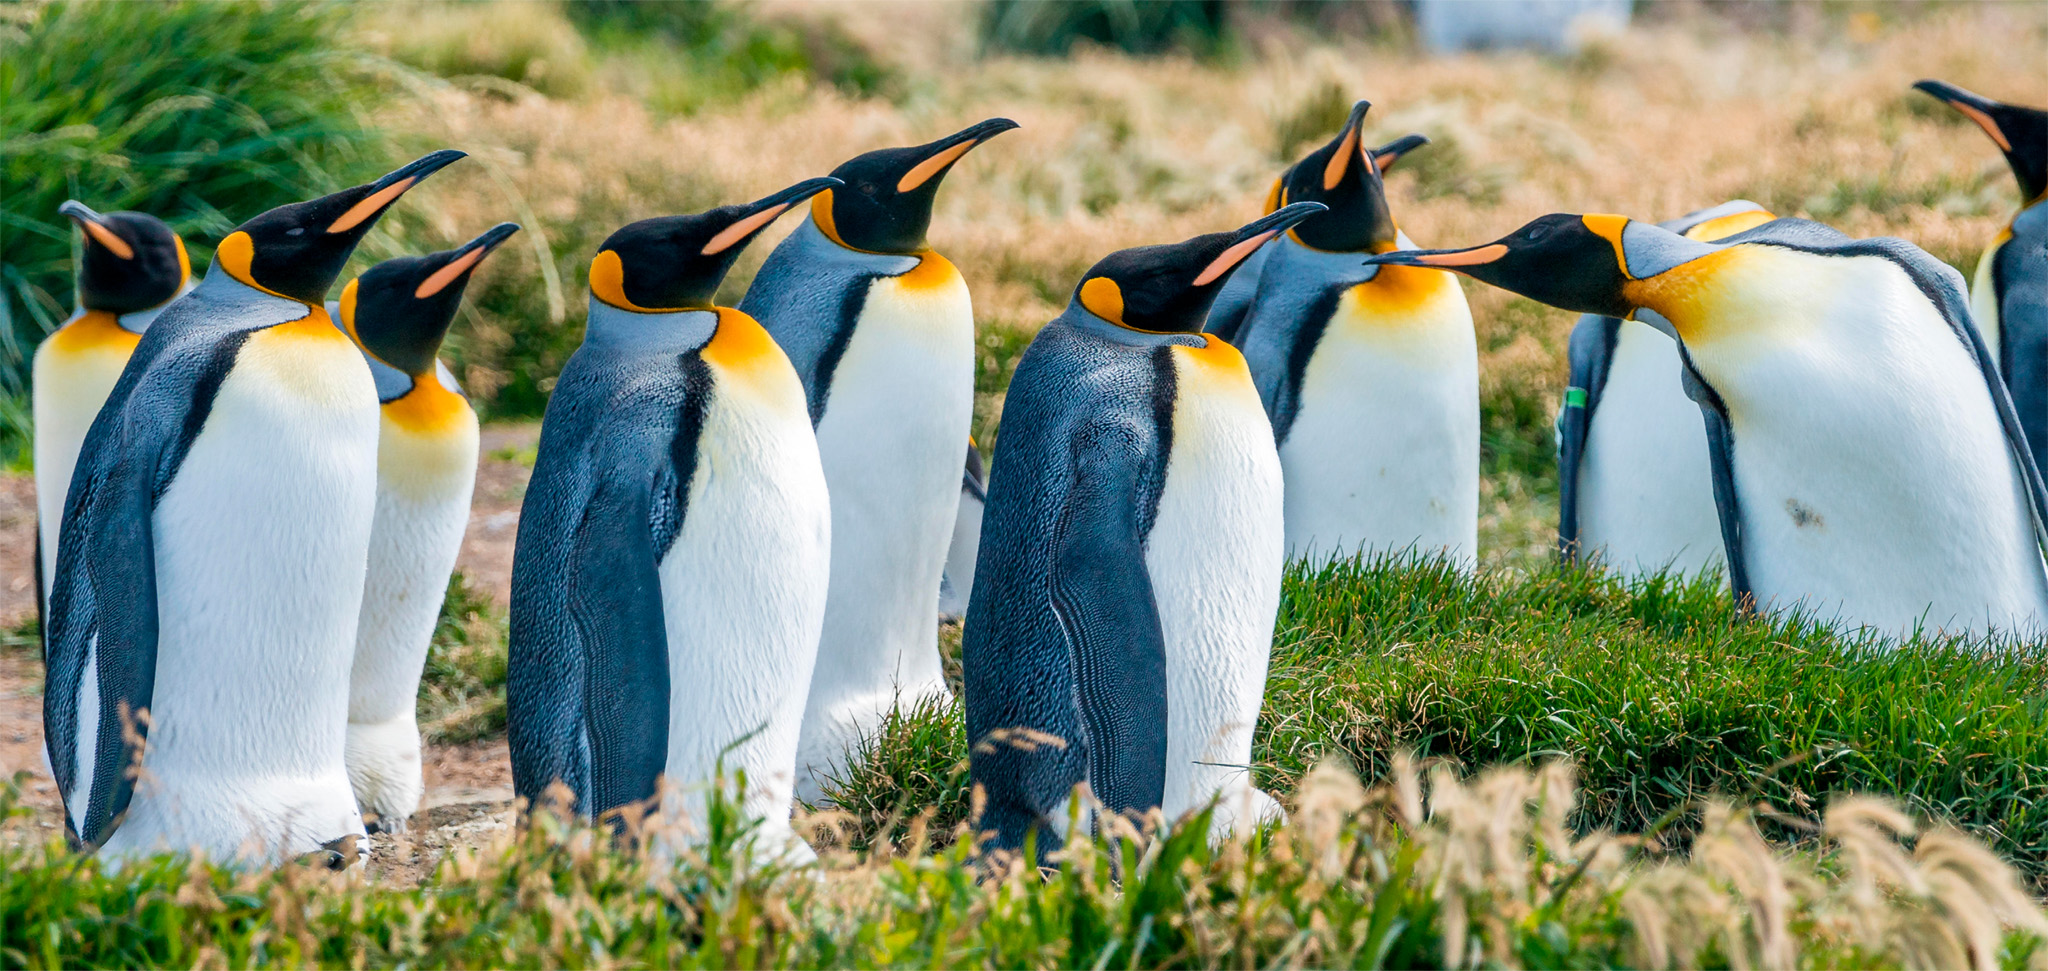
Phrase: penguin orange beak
x=386 y=190
x=466 y=257
x=1975 y=107
x=1386 y=155
x=948 y=150
x=1449 y=259
x=1255 y=234
x=764 y=211
x=95 y=226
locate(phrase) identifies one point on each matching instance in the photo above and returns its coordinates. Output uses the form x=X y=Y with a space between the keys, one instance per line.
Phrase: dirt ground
x=469 y=787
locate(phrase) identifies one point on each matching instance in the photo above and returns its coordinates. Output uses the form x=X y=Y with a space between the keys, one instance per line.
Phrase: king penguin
x=1868 y=466
x=1227 y=314
x=132 y=267
x=1370 y=374
x=397 y=313
x=670 y=576
x=956 y=585
x=1131 y=555
x=1632 y=459
x=881 y=331
x=211 y=563
x=2009 y=296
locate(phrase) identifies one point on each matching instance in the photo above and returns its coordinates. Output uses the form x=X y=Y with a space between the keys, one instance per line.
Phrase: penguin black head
x=886 y=206
x=2021 y=133
x=1168 y=289
x=673 y=263
x=297 y=250
x=1565 y=260
x=1344 y=176
x=132 y=261
x=400 y=309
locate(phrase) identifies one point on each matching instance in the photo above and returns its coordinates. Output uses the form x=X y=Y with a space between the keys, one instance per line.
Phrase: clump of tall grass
x=1199 y=27
x=462 y=688
x=1436 y=870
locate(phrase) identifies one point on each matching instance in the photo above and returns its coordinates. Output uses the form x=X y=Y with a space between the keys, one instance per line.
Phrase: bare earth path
x=469 y=787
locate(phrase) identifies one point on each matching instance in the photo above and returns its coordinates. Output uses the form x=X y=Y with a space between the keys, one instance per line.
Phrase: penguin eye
x=296 y=231
x=867 y=188
x=1537 y=232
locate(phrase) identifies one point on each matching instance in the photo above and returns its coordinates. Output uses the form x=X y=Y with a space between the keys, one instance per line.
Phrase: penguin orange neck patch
x=235 y=254
x=1103 y=298
x=1609 y=228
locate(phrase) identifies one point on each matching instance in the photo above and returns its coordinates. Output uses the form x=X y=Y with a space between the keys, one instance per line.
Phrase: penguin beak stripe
x=1233 y=256
x=1340 y=161
x=1984 y=121
x=924 y=170
x=449 y=274
x=371 y=205
x=106 y=237
x=1470 y=257
x=741 y=230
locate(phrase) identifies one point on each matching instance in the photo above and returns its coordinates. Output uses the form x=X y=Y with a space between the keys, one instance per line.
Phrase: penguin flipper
x=1102 y=595
x=1721 y=459
x=1592 y=355
x=614 y=597
x=2019 y=274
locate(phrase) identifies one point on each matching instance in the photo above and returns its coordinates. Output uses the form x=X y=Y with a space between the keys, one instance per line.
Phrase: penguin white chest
x=75 y=370
x=744 y=582
x=261 y=541
x=1214 y=556
x=1383 y=453
x=1875 y=480
x=1646 y=483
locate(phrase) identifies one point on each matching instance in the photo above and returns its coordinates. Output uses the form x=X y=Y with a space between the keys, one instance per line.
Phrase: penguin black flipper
x=1592 y=356
x=101 y=623
x=2019 y=275
x=1111 y=620
x=1721 y=460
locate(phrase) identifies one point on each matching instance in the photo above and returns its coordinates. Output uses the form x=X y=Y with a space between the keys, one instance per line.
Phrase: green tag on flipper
x=1575 y=397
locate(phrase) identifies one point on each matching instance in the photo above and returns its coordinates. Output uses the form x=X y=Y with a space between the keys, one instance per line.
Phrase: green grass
x=462 y=690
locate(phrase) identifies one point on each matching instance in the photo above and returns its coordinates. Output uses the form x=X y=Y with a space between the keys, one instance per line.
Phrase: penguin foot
x=390 y=825
x=337 y=854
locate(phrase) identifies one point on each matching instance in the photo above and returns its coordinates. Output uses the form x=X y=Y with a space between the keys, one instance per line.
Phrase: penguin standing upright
x=1370 y=374
x=1131 y=555
x=398 y=313
x=133 y=266
x=1636 y=490
x=1227 y=314
x=1867 y=463
x=211 y=563
x=956 y=585
x=881 y=331
x=2009 y=296
x=671 y=570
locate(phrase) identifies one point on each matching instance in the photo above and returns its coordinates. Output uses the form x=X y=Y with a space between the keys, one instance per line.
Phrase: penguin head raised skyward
x=672 y=263
x=297 y=250
x=1566 y=260
x=400 y=309
x=1168 y=289
x=133 y=261
x=1344 y=176
x=886 y=204
x=1383 y=158
x=2021 y=133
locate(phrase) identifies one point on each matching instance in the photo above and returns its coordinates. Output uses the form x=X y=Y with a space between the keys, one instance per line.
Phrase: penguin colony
x=745 y=523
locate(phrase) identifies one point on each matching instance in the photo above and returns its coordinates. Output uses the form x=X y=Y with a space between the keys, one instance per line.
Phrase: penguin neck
x=1084 y=321
x=136 y=322
x=811 y=239
x=629 y=330
x=1739 y=293
x=222 y=285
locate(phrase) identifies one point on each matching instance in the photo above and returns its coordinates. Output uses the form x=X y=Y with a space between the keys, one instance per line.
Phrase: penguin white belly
x=1875 y=480
x=1383 y=454
x=960 y=556
x=74 y=371
x=426 y=470
x=1214 y=557
x=1984 y=297
x=900 y=403
x=744 y=586
x=1646 y=481
x=261 y=543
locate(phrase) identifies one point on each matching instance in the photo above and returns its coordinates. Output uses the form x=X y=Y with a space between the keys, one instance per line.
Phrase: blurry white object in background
x=1551 y=25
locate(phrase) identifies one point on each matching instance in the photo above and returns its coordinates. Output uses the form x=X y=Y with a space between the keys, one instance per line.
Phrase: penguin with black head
x=1370 y=374
x=1868 y=466
x=2009 y=295
x=881 y=331
x=1131 y=555
x=211 y=564
x=398 y=312
x=131 y=267
x=669 y=581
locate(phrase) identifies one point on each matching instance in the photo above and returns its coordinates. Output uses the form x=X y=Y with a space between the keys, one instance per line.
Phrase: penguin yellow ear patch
x=1103 y=298
x=371 y=205
x=1609 y=227
x=1273 y=197
x=1232 y=257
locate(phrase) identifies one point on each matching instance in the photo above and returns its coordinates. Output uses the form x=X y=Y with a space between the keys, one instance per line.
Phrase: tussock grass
x=462 y=689
x=1442 y=871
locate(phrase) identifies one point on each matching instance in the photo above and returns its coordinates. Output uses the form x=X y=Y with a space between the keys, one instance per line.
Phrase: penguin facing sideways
x=1868 y=465
x=211 y=564
x=1636 y=489
x=881 y=331
x=1131 y=556
x=670 y=574
x=1227 y=314
x=1370 y=374
x=2009 y=295
x=956 y=585
x=132 y=267
x=397 y=313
